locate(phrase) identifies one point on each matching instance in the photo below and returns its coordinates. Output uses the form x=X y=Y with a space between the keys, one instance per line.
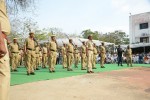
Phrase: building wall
x=134 y=27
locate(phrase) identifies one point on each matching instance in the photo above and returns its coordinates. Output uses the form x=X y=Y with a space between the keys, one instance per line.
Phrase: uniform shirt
x=76 y=51
x=129 y=52
x=30 y=43
x=14 y=48
x=102 y=50
x=63 y=50
x=44 y=50
x=5 y=24
x=95 y=50
x=37 y=49
x=83 y=49
x=89 y=45
x=70 y=48
x=52 y=46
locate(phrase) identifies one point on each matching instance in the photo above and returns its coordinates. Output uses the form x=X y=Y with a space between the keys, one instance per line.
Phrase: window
x=143 y=25
x=144 y=39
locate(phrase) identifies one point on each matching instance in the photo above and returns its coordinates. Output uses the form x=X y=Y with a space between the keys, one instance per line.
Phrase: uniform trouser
x=64 y=61
x=94 y=61
x=44 y=60
x=83 y=61
x=70 y=59
x=76 y=60
x=4 y=76
x=30 y=58
x=102 y=60
x=52 y=60
x=14 y=61
x=37 y=61
x=89 y=60
x=129 y=60
x=19 y=60
x=119 y=60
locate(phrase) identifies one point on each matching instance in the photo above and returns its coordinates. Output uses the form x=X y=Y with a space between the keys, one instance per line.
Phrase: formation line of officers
x=34 y=56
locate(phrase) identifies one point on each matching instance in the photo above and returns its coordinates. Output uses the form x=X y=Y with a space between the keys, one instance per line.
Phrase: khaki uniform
x=76 y=57
x=83 y=57
x=20 y=57
x=44 y=52
x=37 y=52
x=40 y=54
x=64 y=56
x=4 y=61
x=53 y=55
x=102 y=55
x=94 y=57
x=129 y=57
x=31 y=56
x=70 y=56
x=14 y=50
x=89 y=55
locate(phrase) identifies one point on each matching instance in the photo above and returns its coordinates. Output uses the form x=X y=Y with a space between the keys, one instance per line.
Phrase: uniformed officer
x=30 y=53
x=76 y=56
x=40 y=57
x=70 y=56
x=44 y=52
x=102 y=55
x=89 y=54
x=37 y=52
x=83 y=57
x=95 y=56
x=129 y=56
x=64 y=56
x=52 y=54
x=14 y=54
x=4 y=58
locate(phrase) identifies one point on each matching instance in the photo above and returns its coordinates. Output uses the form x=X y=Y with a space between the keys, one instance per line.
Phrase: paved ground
x=127 y=84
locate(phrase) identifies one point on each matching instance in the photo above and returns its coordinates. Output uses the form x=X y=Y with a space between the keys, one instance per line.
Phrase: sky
x=74 y=16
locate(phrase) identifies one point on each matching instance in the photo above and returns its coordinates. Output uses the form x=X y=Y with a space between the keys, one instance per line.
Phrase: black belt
x=44 y=53
x=31 y=49
x=83 y=52
x=70 y=52
x=53 y=50
x=14 y=52
x=36 y=53
x=90 y=49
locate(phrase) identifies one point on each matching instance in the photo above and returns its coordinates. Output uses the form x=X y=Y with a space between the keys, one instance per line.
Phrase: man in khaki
x=76 y=56
x=102 y=55
x=129 y=56
x=64 y=56
x=14 y=54
x=37 y=52
x=70 y=56
x=30 y=53
x=4 y=59
x=89 y=53
x=44 y=52
x=52 y=54
x=94 y=56
x=83 y=57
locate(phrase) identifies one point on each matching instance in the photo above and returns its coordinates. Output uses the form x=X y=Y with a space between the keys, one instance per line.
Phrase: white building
x=139 y=27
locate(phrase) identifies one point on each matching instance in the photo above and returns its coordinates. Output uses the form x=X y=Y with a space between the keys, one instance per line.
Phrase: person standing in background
x=14 y=54
x=64 y=51
x=95 y=56
x=119 y=52
x=83 y=57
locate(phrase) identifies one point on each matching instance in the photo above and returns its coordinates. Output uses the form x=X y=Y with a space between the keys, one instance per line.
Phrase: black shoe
x=121 y=65
x=83 y=69
x=94 y=68
x=53 y=71
x=28 y=74
x=89 y=72
x=32 y=73
x=37 y=69
x=16 y=70
x=50 y=71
